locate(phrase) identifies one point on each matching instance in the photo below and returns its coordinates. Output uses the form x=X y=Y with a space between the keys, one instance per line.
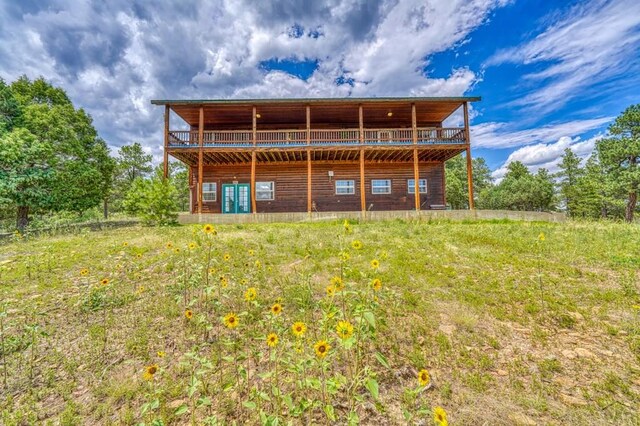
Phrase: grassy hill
x=515 y=323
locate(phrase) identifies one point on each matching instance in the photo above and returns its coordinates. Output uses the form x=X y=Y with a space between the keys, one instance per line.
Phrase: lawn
x=513 y=322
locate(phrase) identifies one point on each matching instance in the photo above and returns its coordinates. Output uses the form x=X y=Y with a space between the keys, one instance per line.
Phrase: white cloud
x=594 y=42
x=547 y=155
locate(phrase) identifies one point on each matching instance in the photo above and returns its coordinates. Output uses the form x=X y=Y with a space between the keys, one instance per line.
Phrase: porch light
x=258 y=115
x=389 y=114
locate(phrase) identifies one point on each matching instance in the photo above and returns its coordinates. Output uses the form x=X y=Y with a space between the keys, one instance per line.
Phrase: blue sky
x=552 y=74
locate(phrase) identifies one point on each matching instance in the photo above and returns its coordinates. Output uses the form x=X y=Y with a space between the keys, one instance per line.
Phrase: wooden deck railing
x=330 y=137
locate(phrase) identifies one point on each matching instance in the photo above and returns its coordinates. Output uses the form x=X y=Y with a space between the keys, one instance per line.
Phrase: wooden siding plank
x=200 y=159
x=469 y=161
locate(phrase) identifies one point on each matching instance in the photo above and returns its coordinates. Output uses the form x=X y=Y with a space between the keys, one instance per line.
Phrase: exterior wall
x=291 y=186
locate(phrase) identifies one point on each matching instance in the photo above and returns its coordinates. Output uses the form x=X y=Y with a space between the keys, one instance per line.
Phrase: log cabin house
x=324 y=155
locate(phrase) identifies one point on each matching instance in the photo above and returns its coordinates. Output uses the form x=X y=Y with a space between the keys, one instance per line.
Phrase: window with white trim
x=265 y=191
x=345 y=187
x=411 y=183
x=381 y=186
x=209 y=191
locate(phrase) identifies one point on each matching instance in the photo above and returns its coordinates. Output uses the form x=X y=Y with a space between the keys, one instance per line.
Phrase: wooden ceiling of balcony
x=325 y=113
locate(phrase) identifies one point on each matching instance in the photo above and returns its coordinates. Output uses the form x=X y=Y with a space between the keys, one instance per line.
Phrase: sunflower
x=345 y=256
x=84 y=272
x=376 y=284
x=344 y=329
x=169 y=245
x=250 y=294
x=192 y=246
x=347 y=227
x=276 y=309
x=139 y=255
x=125 y=244
x=299 y=328
x=251 y=252
x=423 y=377
x=226 y=257
x=177 y=249
x=104 y=281
x=188 y=314
x=244 y=281
x=212 y=270
x=356 y=244
x=272 y=340
x=331 y=290
x=541 y=236
x=231 y=320
x=440 y=416
x=322 y=348
x=150 y=371
x=375 y=264
x=224 y=282
x=208 y=229
x=337 y=283
x=161 y=354
x=258 y=264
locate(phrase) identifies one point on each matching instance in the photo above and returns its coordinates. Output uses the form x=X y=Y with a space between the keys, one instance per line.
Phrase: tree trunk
x=105 y=208
x=631 y=206
x=22 y=218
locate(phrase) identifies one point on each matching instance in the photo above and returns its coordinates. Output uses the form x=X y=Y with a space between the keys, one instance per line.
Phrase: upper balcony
x=316 y=138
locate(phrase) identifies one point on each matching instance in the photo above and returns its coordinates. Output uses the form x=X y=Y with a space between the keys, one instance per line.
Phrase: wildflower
x=337 y=283
x=299 y=328
x=345 y=256
x=331 y=290
x=322 y=348
x=212 y=270
x=192 y=246
x=139 y=255
x=140 y=290
x=251 y=294
x=344 y=329
x=347 y=227
x=244 y=281
x=226 y=257
x=104 y=281
x=440 y=416
x=423 y=377
x=150 y=371
x=541 y=236
x=375 y=264
x=118 y=266
x=231 y=320
x=376 y=284
x=272 y=340
x=188 y=314
x=125 y=244
x=251 y=252
x=177 y=250
x=276 y=309
x=84 y=272
x=169 y=245
x=161 y=354
x=356 y=244
x=224 y=282
x=258 y=264
x=208 y=229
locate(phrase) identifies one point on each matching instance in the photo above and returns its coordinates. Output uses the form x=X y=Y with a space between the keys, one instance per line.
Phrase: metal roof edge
x=311 y=100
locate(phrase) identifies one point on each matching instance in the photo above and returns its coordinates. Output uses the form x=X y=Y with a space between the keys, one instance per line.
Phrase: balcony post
x=416 y=171
x=200 y=157
x=467 y=137
x=252 y=189
x=309 y=199
x=166 y=142
x=363 y=201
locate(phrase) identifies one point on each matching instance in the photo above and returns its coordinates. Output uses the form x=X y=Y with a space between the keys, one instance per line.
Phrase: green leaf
x=328 y=409
x=181 y=410
x=203 y=400
x=249 y=404
x=371 y=319
x=382 y=360
x=372 y=387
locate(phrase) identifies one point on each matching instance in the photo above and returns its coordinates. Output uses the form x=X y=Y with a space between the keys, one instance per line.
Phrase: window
x=381 y=186
x=345 y=187
x=412 y=186
x=209 y=191
x=265 y=191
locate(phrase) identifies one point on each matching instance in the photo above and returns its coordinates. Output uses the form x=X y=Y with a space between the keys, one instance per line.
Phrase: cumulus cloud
x=113 y=57
x=594 y=42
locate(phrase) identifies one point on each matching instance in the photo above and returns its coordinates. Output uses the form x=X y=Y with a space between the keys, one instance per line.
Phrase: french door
x=236 y=198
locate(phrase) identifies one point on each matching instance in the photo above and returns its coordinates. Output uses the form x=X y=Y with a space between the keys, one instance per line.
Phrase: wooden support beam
x=309 y=197
x=190 y=180
x=363 y=201
x=467 y=136
x=200 y=155
x=253 y=183
x=416 y=171
x=166 y=141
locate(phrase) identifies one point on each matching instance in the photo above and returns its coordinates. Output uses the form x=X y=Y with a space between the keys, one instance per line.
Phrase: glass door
x=235 y=198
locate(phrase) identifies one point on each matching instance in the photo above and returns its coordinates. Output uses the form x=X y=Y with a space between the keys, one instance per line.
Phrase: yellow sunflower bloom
x=331 y=290
x=224 y=282
x=226 y=257
x=251 y=252
x=104 y=281
x=423 y=377
x=251 y=294
x=299 y=328
x=177 y=249
x=125 y=244
x=188 y=314
x=272 y=340
x=376 y=284
x=356 y=244
x=258 y=264
x=208 y=229
x=169 y=245
x=344 y=329
x=541 y=236
x=192 y=246
x=375 y=264
x=161 y=354
x=150 y=371
x=84 y=272
x=440 y=416
x=138 y=255
x=231 y=320
x=276 y=309
x=337 y=283
x=322 y=348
